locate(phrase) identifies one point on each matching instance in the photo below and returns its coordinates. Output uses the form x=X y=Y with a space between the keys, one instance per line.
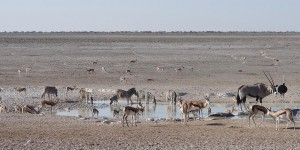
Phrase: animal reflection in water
x=171 y=111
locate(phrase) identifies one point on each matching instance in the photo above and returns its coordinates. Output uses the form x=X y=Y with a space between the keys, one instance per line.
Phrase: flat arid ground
x=196 y=64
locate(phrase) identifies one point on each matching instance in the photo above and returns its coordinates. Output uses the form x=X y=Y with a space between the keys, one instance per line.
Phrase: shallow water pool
x=157 y=111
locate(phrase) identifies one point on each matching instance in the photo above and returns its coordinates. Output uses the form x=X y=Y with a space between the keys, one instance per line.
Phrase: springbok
x=171 y=96
x=50 y=90
x=70 y=89
x=127 y=94
x=30 y=109
x=257 y=110
x=201 y=105
x=90 y=70
x=128 y=110
x=184 y=108
x=3 y=108
x=18 y=109
x=285 y=114
x=50 y=103
x=19 y=89
x=258 y=90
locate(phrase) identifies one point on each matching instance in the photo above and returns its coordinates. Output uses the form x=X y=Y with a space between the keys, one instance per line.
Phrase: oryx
x=258 y=90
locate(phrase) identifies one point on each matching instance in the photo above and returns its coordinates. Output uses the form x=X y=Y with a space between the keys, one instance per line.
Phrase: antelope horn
x=271 y=78
x=268 y=78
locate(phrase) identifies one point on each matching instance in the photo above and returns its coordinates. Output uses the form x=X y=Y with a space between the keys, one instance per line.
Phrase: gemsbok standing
x=258 y=90
x=285 y=114
x=128 y=110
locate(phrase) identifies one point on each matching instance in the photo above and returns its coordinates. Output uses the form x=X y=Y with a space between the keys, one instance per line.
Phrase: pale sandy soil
x=212 y=63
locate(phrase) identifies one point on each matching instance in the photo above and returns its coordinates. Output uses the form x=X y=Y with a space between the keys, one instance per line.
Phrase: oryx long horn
x=268 y=78
x=271 y=78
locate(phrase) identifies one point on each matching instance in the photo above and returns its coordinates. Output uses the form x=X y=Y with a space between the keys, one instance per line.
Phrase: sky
x=149 y=15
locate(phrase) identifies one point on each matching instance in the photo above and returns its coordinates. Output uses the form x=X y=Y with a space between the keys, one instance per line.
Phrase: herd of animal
x=258 y=91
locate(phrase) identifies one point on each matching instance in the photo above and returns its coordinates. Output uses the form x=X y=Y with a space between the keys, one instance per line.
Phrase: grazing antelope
x=171 y=96
x=258 y=90
x=128 y=110
x=20 y=89
x=257 y=110
x=50 y=103
x=282 y=89
x=95 y=112
x=184 y=108
x=201 y=105
x=50 y=90
x=18 y=108
x=285 y=114
x=30 y=109
x=70 y=89
x=3 y=108
x=90 y=70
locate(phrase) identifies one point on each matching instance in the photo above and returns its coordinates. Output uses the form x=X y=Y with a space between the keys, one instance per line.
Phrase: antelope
x=95 y=112
x=50 y=90
x=159 y=69
x=128 y=110
x=90 y=70
x=285 y=114
x=50 y=103
x=114 y=100
x=123 y=79
x=28 y=69
x=30 y=109
x=20 y=89
x=184 y=108
x=257 y=110
x=3 y=108
x=95 y=62
x=18 y=108
x=70 y=89
x=199 y=104
x=258 y=90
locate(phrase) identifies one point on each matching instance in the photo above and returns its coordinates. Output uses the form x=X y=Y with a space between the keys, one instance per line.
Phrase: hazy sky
x=150 y=15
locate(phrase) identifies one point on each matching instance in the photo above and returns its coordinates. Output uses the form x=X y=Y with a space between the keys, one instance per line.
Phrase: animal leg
x=250 y=115
x=262 y=119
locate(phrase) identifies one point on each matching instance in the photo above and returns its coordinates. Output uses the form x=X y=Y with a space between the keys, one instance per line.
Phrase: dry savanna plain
x=192 y=63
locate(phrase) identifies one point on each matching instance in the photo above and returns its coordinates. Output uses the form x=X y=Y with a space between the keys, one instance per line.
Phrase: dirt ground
x=209 y=63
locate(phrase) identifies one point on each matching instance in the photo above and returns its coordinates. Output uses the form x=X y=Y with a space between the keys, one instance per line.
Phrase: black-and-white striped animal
x=258 y=91
x=171 y=96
